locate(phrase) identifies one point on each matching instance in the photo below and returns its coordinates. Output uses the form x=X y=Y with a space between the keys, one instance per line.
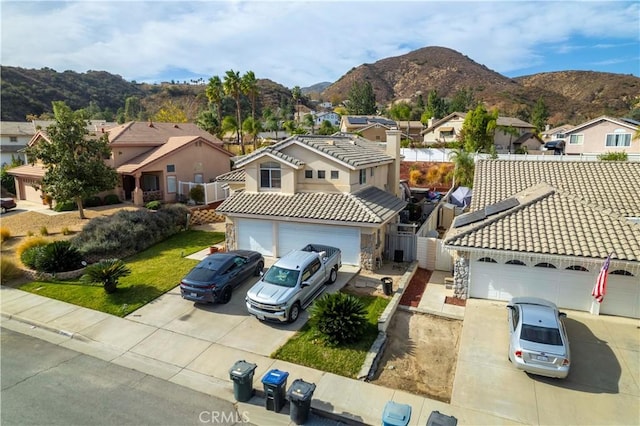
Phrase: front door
x=128 y=184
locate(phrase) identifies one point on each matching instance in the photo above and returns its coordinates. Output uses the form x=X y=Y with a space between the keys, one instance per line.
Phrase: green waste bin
x=242 y=375
x=275 y=385
x=299 y=396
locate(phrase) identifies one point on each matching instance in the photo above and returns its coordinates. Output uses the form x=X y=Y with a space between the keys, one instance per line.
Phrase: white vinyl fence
x=213 y=191
x=441 y=155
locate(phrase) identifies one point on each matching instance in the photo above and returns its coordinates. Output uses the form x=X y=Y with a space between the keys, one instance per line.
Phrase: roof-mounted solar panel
x=501 y=206
x=467 y=218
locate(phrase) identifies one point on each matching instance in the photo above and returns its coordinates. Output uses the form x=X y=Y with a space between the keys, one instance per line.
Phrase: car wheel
x=259 y=269
x=4 y=210
x=225 y=297
x=294 y=312
x=333 y=276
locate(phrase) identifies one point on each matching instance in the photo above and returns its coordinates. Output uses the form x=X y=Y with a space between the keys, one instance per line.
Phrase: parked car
x=293 y=282
x=538 y=342
x=7 y=204
x=214 y=278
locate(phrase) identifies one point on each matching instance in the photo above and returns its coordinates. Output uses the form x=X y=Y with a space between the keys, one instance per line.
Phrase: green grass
x=153 y=272
x=307 y=347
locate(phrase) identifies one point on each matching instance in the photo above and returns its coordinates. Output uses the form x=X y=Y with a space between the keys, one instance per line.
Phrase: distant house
x=556 y=133
x=373 y=128
x=413 y=129
x=601 y=135
x=330 y=116
x=150 y=158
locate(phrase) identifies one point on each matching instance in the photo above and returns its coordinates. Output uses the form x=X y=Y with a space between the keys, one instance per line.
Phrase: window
x=576 y=139
x=321 y=174
x=487 y=259
x=546 y=265
x=198 y=178
x=150 y=183
x=621 y=272
x=334 y=174
x=270 y=175
x=516 y=262
x=618 y=139
x=171 y=168
x=310 y=270
x=308 y=174
x=171 y=184
x=363 y=176
x=13 y=139
x=577 y=268
x=371 y=173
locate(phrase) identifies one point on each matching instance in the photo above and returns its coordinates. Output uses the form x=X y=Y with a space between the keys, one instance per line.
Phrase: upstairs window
x=270 y=175
x=308 y=174
x=618 y=140
x=321 y=174
x=334 y=174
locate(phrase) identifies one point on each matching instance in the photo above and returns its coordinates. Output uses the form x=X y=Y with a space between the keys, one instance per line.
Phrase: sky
x=301 y=43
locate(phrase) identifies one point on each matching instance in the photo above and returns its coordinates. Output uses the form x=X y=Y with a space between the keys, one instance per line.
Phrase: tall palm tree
x=252 y=127
x=250 y=88
x=296 y=94
x=233 y=87
x=215 y=94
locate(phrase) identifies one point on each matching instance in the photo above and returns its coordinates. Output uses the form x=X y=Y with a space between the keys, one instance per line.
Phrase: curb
x=37 y=324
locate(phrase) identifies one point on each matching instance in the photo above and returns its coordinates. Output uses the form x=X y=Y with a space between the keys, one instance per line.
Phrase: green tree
x=215 y=94
x=462 y=101
x=108 y=272
x=169 y=112
x=271 y=122
x=74 y=163
x=310 y=122
x=478 y=129
x=540 y=115
x=436 y=106
x=250 y=88
x=252 y=128
x=326 y=128
x=233 y=87
x=229 y=125
x=362 y=99
x=463 y=167
x=132 y=109
x=296 y=94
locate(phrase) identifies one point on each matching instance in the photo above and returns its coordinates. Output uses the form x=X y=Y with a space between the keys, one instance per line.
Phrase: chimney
x=546 y=127
x=393 y=150
x=430 y=122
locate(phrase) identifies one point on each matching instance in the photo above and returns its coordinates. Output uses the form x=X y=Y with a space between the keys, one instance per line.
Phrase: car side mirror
x=304 y=284
x=562 y=314
x=510 y=307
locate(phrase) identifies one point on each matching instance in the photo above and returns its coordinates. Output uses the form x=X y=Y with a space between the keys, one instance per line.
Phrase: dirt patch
x=420 y=355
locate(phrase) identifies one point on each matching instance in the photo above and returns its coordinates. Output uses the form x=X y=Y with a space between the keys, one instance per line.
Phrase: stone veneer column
x=367 y=250
x=230 y=236
x=461 y=275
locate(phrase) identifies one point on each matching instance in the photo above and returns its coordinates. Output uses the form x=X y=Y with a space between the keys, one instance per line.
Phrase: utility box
x=275 y=385
x=242 y=376
x=396 y=414
x=299 y=395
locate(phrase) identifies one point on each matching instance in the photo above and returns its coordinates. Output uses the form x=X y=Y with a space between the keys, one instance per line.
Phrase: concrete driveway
x=603 y=386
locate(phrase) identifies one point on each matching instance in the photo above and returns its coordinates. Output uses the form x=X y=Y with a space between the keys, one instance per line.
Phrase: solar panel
x=501 y=206
x=467 y=218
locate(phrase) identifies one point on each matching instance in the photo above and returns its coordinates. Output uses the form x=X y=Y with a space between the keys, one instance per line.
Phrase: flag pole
x=604 y=271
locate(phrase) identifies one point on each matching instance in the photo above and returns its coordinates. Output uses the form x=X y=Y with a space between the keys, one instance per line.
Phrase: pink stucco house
x=602 y=135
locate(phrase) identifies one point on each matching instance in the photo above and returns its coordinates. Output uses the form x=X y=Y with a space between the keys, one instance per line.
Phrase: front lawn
x=307 y=347
x=153 y=272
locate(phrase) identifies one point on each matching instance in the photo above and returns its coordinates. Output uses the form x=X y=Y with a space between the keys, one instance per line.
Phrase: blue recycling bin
x=275 y=385
x=396 y=414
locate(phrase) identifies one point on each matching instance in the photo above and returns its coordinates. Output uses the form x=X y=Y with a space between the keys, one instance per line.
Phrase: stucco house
x=150 y=158
x=340 y=190
x=601 y=135
x=545 y=228
x=510 y=135
x=372 y=128
x=329 y=116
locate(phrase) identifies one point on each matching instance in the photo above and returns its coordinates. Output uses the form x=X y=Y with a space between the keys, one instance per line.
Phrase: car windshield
x=544 y=335
x=280 y=276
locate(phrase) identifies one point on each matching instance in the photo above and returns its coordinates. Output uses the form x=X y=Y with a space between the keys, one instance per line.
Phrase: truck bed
x=317 y=248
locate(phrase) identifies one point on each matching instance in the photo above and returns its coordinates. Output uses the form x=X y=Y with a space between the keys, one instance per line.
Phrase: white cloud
x=296 y=42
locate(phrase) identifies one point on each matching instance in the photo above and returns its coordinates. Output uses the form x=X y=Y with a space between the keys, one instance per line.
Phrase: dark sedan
x=8 y=204
x=214 y=278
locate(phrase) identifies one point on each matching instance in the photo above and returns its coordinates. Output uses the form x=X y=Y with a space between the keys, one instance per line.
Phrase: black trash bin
x=396 y=414
x=436 y=418
x=275 y=385
x=299 y=396
x=387 y=285
x=242 y=375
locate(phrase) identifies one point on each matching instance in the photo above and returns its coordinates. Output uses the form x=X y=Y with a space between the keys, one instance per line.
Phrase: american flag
x=600 y=289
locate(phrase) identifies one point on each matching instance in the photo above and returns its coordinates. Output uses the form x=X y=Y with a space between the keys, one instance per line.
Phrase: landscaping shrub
x=5 y=234
x=66 y=231
x=129 y=231
x=613 y=156
x=154 y=205
x=416 y=177
x=93 y=201
x=58 y=256
x=44 y=231
x=29 y=256
x=30 y=242
x=107 y=272
x=8 y=270
x=197 y=194
x=339 y=317
x=65 y=206
x=111 y=199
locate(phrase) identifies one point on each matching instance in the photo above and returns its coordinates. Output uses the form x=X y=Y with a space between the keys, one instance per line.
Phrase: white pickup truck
x=293 y=282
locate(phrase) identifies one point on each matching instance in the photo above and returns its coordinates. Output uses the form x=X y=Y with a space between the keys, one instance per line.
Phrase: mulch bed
x=455 y=301
x=413 y=293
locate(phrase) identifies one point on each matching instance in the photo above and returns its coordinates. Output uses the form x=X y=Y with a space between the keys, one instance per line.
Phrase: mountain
x=316 y=88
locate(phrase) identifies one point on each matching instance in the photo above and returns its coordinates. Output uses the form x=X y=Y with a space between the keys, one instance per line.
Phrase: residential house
x=150 y=158
x=413 y=129
x=340 y=190
x=511 y=135
x=373 y=128
x=553 y=134
x=329 y=116
x=603 y=134
x=545 y=229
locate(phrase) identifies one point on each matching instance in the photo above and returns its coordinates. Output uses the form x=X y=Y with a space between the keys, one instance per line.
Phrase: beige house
x=373 y=128
x=601 y=135
x=511 y=133
x=150 y=158
x=340 y=190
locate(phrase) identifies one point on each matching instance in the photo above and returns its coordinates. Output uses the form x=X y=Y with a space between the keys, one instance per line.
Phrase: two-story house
x=150 y=158
x=339 y=190
x=14 y=137
x=603 y=134
x=329 y=116
x=372 y=128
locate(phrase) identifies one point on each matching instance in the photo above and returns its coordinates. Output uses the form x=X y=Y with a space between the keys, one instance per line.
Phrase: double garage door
x=273 y=238
x=566 y=288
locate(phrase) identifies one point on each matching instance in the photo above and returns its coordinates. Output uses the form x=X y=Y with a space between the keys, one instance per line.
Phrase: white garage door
x=623 y=296
x=255 y=235
x=292 y=236
x=567 y=289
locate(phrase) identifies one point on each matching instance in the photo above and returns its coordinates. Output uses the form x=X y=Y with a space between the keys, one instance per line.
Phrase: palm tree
x=250 y=88
x=252 y=127
x=296 y=94
x=215 y=94
x=310 y=122
x=107 y=272
x=229 y=124
x=464 y=167
x=233 y=87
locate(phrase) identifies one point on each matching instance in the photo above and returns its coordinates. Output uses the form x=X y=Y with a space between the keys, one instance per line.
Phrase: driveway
x=603 y=386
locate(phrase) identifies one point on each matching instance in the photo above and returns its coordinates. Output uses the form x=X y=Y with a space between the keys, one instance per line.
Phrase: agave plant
x=340 y=317
x=107 y=272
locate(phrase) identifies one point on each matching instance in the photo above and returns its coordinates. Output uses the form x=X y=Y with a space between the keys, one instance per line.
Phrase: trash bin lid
x=436 y=418
x=275 y=377
x=386 y=279
x=242 y=368
x=396 y=414
x=301 y=390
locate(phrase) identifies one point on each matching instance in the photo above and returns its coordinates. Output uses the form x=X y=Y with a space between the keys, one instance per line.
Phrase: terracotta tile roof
x=565 y=208
x=368 y=206
x=146 y=133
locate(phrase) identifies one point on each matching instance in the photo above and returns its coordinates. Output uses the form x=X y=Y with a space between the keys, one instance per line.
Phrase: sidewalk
x=204 y=366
